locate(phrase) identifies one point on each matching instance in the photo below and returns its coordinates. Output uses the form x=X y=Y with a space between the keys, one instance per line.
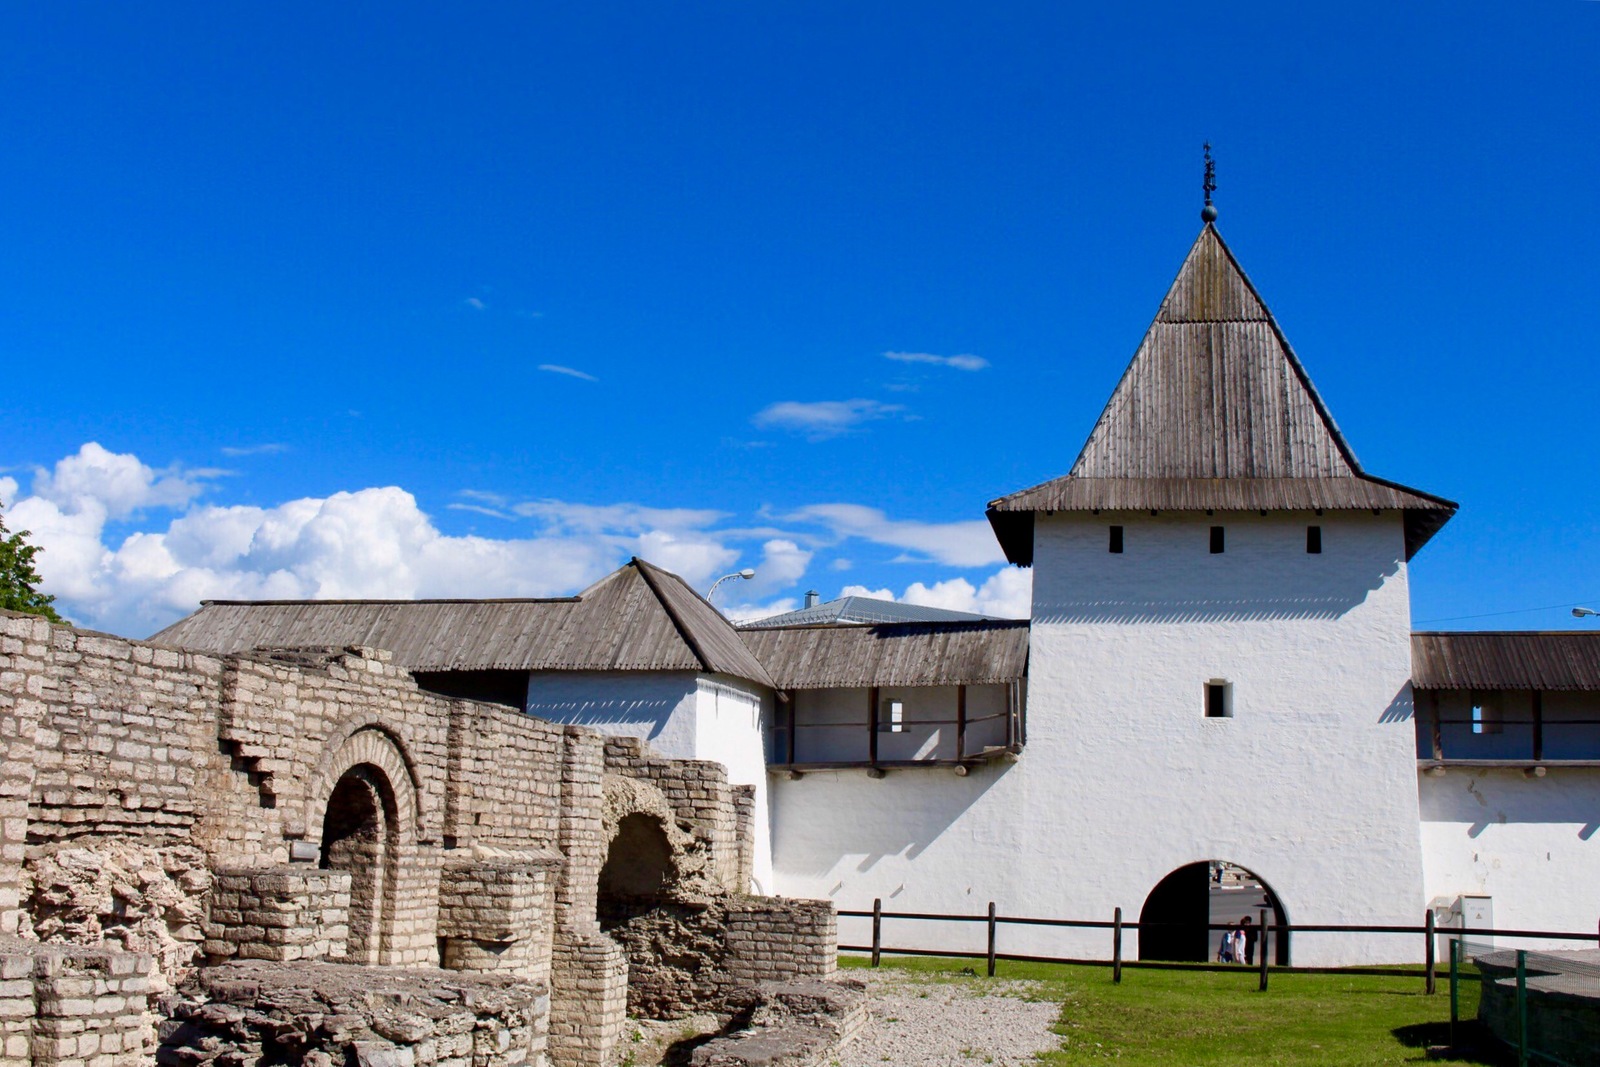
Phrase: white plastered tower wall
x=1311 y=784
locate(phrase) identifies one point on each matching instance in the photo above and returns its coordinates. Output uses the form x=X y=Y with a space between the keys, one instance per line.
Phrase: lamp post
x=746 y=574
x=1578 y=613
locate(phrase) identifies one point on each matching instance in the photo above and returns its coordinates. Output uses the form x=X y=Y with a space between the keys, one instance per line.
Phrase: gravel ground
x=931 y=1023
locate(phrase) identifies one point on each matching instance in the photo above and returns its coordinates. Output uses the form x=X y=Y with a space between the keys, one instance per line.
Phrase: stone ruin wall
x=168 y=808
x=698 y=940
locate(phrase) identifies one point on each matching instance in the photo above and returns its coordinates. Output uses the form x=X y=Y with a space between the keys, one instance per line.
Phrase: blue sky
x=386 y=300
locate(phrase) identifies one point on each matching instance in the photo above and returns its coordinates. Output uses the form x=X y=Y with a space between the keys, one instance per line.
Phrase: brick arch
x=369 y=744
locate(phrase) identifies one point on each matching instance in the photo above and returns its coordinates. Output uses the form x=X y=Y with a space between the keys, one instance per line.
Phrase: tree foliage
x=19 y=579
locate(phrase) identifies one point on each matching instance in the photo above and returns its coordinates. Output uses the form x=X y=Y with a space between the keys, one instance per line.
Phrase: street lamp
x=1578 y=613
x=746 y=574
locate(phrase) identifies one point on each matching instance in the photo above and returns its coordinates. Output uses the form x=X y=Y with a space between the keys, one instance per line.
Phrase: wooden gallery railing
x=873 y=725
x=1116 y=926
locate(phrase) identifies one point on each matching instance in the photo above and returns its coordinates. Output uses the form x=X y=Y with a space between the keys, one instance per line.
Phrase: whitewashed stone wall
x=1532 y=845
x=1311 y=784
x=730 y=729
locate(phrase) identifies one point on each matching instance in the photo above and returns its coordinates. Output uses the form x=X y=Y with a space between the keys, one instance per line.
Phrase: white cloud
x=782 y=564
x=553 y=368
x=615 y=518
x=1005 y=594
x=785 y=561
x=479 y=509
x=955 y=544
x=116 y=483
x=369 y=543
x=698 y=560
x=475 y=304
x=959 y=362
x=822 y=418
x=378 y=542
x=268 y=449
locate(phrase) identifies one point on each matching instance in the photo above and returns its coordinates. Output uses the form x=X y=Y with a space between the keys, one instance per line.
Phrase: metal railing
x=1514 y=988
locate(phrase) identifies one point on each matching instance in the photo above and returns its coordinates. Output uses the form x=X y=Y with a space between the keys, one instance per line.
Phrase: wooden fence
x=993 y=921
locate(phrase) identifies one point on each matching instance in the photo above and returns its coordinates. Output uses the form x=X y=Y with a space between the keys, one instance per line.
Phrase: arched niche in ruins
x=650 y=859
x=639 y=862
x=1175 y=922
x=365 y=806
x=359 y=835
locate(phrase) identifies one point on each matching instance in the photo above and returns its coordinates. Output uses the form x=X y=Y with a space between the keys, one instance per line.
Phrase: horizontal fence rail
x=1267 y=931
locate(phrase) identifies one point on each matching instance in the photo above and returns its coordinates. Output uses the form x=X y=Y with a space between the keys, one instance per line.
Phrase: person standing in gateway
x=1250 y=935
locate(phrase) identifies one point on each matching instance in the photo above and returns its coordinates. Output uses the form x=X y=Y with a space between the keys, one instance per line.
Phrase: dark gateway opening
x=1177 y=915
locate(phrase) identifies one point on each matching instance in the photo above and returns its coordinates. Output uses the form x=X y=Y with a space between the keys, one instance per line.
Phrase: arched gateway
x=1175 y=922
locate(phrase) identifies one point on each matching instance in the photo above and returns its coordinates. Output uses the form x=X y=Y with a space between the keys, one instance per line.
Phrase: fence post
x=1522 y=1007
x=991 y=939
x=877 y=929
x=1431 y=985
x=1116 y=946
x=1266 y=940
x=1455 y=978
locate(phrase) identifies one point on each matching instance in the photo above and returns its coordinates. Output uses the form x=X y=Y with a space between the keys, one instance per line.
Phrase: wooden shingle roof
x=909 y=654
x=1516 y=659
x=638 y=618
x=1215 y=411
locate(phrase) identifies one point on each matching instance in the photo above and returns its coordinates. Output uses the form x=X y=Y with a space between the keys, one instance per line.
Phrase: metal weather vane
x=1209 y=212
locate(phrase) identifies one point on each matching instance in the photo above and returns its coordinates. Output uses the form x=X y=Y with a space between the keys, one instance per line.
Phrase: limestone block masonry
x=278 y=913
x=192 y=845
x=73 y=1007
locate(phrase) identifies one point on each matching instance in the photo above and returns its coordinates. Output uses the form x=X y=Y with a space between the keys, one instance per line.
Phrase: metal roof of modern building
x=637 y=618
x=1215 y=411
x=858 y=610
x=1527 y=659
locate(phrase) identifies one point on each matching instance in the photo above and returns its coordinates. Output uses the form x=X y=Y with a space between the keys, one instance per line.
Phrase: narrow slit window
x=894 y=719
x=1486 y=717
x=1216 y=540
x=1219 y=700
x=1314 y=540
x=1116 y=540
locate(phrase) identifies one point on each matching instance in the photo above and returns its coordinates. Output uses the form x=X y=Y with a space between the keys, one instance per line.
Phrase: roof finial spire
x=1208 y=214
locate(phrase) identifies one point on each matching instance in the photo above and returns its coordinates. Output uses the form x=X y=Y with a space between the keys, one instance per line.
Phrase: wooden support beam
x=793 y=711
x=872 y=726
x=1011 y=714
x=1538 y=724
x=961 y=722
x=1438 y=736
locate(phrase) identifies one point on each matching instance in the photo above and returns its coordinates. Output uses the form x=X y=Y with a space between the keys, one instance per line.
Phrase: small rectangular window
x=1219 y=700
x=1313 y=540
x=895 y=721
x=1486 y=717
x=1116 y=539
x=1216 y=540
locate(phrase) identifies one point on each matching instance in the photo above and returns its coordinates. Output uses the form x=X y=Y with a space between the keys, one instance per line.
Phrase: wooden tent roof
x=637 y=618
x=908 y=653
x=1516 y=659
x=1215 y=411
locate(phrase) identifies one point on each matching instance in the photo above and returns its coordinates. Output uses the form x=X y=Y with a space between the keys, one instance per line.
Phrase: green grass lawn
x=1186 y=1017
